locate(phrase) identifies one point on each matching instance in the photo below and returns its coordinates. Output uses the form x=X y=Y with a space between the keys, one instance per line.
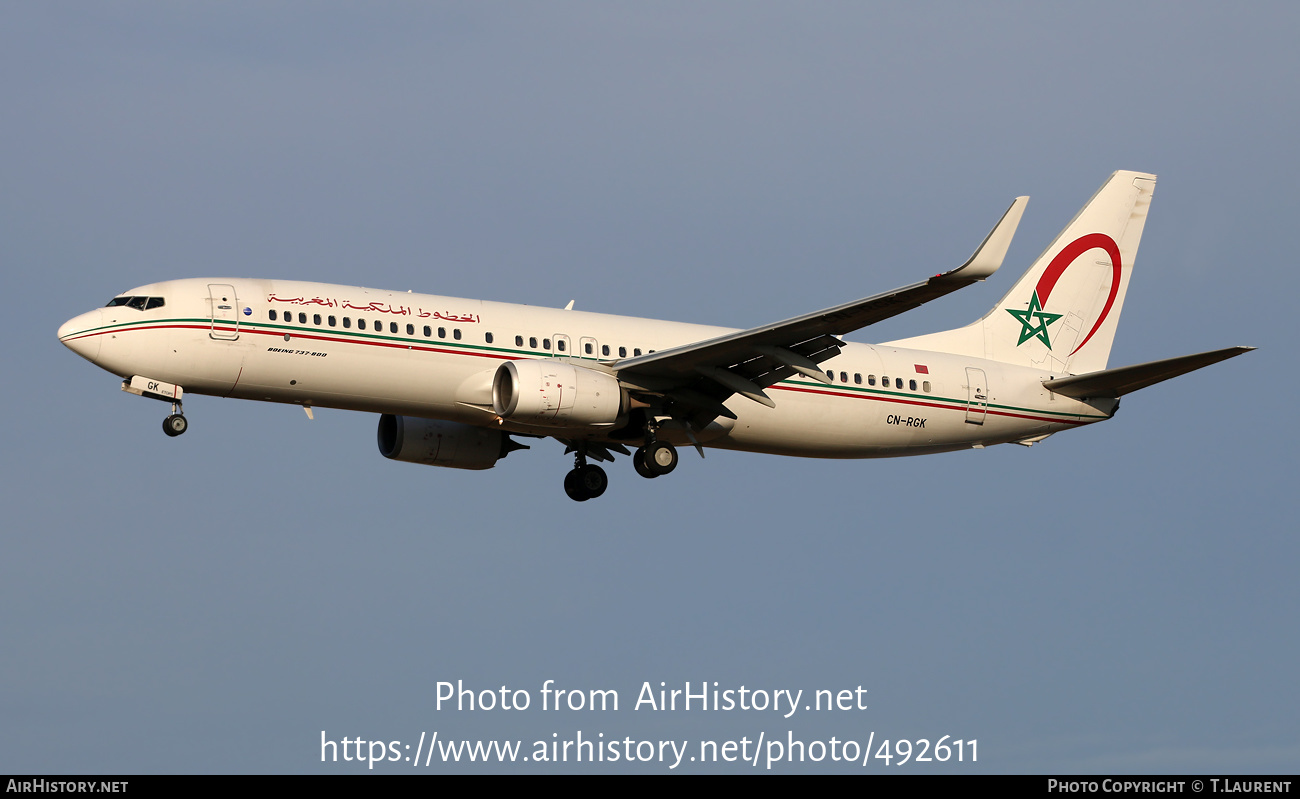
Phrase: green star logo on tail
x=1030 y=329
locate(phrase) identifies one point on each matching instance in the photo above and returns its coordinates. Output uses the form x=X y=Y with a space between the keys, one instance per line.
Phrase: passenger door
x=223 y=304
x=977 y=396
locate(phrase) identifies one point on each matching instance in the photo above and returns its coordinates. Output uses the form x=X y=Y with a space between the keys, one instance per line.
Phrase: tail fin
x=1062 y=314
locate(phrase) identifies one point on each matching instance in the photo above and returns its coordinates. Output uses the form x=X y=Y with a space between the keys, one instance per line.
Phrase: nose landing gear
x=175 y=424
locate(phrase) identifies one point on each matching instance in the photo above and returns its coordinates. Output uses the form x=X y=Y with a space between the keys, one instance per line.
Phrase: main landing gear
x=656 y=457
x=586 y=480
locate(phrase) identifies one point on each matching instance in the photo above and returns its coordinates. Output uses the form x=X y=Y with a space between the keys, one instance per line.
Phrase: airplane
x=457 y=382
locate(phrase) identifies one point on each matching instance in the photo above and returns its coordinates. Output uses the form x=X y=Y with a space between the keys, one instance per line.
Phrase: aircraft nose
x=79 y=334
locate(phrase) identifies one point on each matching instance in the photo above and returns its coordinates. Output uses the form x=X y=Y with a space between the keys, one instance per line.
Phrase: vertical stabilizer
x=1062 y=313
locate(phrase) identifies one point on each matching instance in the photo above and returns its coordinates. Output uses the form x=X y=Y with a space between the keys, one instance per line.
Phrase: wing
x=699 y=376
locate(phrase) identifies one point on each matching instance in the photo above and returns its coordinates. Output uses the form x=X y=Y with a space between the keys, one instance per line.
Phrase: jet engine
x=556 y=394
x=438 y=443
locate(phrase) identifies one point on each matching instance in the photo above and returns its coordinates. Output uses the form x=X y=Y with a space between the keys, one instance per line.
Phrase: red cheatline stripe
x=280 y=334
x=897 y=400
x=901 y=401
x=391 y=345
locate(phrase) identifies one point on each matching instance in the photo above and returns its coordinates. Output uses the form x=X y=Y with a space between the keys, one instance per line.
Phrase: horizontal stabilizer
x=1127 y=379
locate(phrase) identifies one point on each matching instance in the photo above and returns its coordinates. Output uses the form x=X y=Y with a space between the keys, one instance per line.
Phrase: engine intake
x=438 y=443
x=556 y=394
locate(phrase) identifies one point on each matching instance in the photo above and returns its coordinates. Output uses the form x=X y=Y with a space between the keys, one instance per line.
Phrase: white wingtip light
x=988 y=257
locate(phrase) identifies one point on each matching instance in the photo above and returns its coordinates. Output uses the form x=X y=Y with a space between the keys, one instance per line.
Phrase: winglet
x=988 y=257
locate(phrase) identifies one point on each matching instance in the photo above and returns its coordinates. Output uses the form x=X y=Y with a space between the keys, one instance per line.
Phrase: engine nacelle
x=438 y=443
x=556 y=394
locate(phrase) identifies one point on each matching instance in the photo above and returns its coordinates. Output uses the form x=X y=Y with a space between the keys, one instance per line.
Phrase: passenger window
x=410 y=330
x=532 y=342
x=347 y=321
x=519 y=341
x=622 y=352
x=604 y=349
x=636 y=352
x=559 y=344
x=926 y=386
x=302 y=318
x=272 y=314
x=871 y=380
x=587 y=348
x=442 y=332
x=428 y=332
x=830 y=375
x=315 y=319
x=546 y=343
x=898 y=382
x=911 y=385
x=333 y=320
x=392 y=327
x=884 y=382
x=857 y=378
x=844 y=377
x=361 y=324
x=456 y=334
x=487 y=337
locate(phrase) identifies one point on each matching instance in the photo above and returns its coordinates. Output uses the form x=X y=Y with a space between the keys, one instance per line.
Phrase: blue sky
x=1121 y=598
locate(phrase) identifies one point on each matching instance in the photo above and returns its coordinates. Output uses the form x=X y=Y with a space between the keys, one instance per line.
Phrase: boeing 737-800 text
x=454 y=379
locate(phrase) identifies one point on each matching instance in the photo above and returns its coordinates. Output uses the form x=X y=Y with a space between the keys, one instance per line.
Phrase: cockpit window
x=138 y=303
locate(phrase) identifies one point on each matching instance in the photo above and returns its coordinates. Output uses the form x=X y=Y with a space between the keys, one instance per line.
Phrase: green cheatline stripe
x=206 y=321
x=443 y=342
x=408 y=341
x=936 y=398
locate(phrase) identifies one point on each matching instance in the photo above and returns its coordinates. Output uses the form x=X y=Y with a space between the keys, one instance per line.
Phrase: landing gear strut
x=586 y=480
x=175 y=424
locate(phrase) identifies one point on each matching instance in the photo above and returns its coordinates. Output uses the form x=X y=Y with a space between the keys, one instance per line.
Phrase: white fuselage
x=419 y=355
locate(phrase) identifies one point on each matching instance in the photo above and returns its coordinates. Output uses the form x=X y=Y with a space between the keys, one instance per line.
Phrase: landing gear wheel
x=638 y=463
x=175 y=424
x=660 y=457
x=593 y=479
x=573 y=488
x=585 y=482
